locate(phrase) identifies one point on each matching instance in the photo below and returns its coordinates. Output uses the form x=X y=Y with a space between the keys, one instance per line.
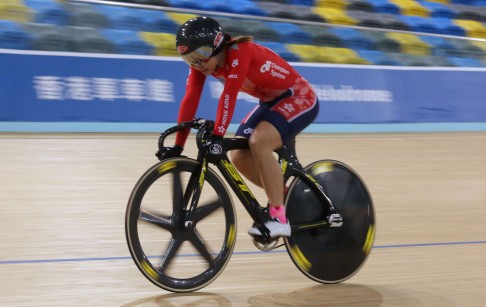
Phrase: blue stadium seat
x=218 y=6
x=281 y=50
x=247 y=7
x=12 y=36
x=421 y=24
x=291 y=33
x=440 y=45
x=157 y=21
x=465 y=2
x=354 y=39
x=48 y=11
x=383 y=6
x=122 y=18
x=464 y=62
x=128 y=42
x=302 y=2
x=377 y=58
x=188 y=4
x=439 y=10
x=447 y=27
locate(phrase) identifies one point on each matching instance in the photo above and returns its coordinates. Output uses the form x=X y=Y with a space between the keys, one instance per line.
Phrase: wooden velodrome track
x=62 y=206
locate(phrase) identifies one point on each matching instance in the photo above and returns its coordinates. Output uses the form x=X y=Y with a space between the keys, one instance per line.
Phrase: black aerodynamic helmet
x=199 y=38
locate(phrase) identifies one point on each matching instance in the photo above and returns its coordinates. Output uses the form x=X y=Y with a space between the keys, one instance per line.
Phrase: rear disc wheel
x=325 y=254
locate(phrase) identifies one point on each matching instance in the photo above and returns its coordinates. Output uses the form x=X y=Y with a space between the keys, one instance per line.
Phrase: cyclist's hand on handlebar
x=169 y=152
x=214 y=149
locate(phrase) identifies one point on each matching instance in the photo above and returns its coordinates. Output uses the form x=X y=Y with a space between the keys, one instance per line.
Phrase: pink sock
x=278 y=212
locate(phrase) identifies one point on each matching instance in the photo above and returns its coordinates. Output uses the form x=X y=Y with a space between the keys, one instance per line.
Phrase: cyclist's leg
x=263 y=142
x=243 y=158
x=286 y=118
x=245 y=164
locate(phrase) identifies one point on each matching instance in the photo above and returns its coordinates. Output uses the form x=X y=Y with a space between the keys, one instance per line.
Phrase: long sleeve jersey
x=250 y=68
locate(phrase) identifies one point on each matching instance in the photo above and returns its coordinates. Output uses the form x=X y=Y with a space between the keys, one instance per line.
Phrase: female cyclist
x=287 y=105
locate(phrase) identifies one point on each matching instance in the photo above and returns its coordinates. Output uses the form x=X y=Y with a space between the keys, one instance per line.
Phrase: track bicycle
x=180 y=222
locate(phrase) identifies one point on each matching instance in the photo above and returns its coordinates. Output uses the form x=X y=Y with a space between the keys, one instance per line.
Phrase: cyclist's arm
x=239 y=60
x=190 y=102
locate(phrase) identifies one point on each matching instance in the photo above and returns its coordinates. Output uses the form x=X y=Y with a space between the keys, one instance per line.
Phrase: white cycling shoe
x=276 y=229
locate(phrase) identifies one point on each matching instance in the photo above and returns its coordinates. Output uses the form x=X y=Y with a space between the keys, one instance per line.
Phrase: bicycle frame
x=288 y=160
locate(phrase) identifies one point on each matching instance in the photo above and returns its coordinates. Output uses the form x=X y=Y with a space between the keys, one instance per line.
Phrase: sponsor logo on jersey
x=235 y=63
x=274 y=69
x=225 y=119
x=265 y=67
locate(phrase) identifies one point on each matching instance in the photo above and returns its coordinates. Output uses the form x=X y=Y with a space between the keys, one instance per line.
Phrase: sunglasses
x=198 y=57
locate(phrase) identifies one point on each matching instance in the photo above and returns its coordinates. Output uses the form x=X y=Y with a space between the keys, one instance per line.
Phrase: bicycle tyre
x=137 y=220
x=331 y=255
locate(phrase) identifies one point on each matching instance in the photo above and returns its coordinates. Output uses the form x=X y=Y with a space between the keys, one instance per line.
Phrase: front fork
x=193 y=193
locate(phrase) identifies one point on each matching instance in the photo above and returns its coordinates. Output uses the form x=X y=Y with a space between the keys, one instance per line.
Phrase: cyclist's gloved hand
x=169 y=152
x=214 y=149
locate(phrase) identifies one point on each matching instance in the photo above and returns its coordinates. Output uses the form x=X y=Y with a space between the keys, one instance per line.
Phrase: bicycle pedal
x=335 y=220
x=266 y=247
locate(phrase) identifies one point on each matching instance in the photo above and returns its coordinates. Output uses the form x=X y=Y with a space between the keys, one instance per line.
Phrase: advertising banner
x=57 y=87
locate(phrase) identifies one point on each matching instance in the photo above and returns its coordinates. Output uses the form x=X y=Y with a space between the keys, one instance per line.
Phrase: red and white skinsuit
x=257 y=71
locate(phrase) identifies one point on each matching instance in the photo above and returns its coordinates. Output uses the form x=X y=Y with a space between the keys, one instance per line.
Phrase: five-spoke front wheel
x=174 y=252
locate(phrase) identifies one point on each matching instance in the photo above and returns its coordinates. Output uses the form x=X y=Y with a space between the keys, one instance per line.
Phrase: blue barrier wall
x=49 y=88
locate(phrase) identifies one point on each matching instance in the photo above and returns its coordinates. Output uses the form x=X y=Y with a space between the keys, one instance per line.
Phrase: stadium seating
x=127 y=42
x=12 y=36
x=163 y=43
x=84 y=15
x=48 y=37
x=410 y=44
x=57 y=25
x=354 y=39
x=290 y=33
x=359 y=5
x=282 y=50
x=91 y=40
x=16 y=11
x=289 y=11
x=378 y=57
